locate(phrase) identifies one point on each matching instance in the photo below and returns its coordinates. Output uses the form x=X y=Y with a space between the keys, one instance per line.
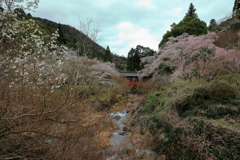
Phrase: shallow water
x=121 y=145
x=118 y=118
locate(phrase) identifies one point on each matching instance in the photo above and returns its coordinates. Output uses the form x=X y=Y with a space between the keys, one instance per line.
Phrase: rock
x=121 y=133
x=145 y=154
x=127 y=129
x=124 y=128
x=117 y=117
x=49 y=141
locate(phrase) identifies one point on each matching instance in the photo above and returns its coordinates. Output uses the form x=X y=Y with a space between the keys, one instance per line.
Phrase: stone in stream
x=122 y=133
x=117 y=117
x=126 y=129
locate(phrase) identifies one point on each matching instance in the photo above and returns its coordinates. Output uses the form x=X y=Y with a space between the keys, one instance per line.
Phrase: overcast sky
x=127 y=23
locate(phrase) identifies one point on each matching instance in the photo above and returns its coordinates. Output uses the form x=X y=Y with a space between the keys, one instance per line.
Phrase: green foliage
x=133 y=89
x=153 y=102
x=216 y=28
x=134 y=56
x=219 y=111
x=213 y=26
x=219 y=91
x=1 y=9
x=165 y=69
x=190 y=25
x=224 y=142
x=133 y=61
x=230 y=78
x=188 y=97
x=169 y=143
x=236 y=6
x=61 y=39
x=20 y=13
x=191 y=12
x=235 y=26
x=107 y=55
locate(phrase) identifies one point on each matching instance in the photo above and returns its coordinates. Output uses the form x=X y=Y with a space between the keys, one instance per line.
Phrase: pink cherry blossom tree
x=191 y=56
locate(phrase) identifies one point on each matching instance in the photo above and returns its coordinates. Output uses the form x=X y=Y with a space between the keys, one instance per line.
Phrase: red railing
x=133 y=83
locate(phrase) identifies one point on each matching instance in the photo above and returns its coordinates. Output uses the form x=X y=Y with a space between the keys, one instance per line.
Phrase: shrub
x=220 y=91
x=191 y=96
x=228 y=40
x=219 y=111
x=153 y=102
x=216 y=28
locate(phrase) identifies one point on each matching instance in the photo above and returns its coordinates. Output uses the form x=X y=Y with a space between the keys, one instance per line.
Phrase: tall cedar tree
x=61 y=39
x=108 y=55
x=236 y=6
x=191 y=12
x=212 y=23
x=135 y=55
x=1 y=9
x=190 y=24
x=133 y=60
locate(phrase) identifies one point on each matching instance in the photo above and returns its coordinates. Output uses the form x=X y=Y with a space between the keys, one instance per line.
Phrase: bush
x=228 y=40
x=188 y=97
x=216 y=28
x=219 y=111
x=220 y=91
x=153 y=102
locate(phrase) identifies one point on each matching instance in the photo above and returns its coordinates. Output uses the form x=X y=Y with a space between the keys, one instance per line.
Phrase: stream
x=121 y=145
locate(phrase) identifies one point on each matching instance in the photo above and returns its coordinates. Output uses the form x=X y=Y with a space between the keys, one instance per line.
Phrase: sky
x=125 y=24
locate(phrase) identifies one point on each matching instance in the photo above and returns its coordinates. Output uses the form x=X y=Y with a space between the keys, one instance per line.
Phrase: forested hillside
x=71 y=36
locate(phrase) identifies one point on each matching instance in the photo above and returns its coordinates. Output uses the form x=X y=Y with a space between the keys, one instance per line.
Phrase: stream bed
x=121 y=144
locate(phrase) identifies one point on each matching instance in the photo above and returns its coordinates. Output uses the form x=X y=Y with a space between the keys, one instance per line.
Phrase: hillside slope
x=73 y=35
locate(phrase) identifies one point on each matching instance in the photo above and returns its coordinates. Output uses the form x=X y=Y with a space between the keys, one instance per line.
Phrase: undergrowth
x=194 y=119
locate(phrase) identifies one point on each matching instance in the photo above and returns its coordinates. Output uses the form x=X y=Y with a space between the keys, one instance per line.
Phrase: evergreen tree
x=107 y=55
x=212 y=24
x=192 y=26
x=61 y=39
x=191 y=12
x=29 y=16
x=236 y=6
x=135 y=55
x=20 y=12
x=130 y=60
x=1 y=9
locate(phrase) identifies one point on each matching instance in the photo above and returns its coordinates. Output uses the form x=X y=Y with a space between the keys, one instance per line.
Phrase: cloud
x=125 y=24
x=131 y=36
x=146 y=3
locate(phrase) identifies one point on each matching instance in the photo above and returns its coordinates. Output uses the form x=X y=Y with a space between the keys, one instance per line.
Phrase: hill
x=72 y=35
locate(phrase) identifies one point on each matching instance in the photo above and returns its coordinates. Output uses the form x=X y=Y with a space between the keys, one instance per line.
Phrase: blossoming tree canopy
x=190 y=56
x=28 y=56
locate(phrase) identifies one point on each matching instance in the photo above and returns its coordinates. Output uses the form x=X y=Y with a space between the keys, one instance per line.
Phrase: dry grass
x=37 y=124
x=228 y=40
